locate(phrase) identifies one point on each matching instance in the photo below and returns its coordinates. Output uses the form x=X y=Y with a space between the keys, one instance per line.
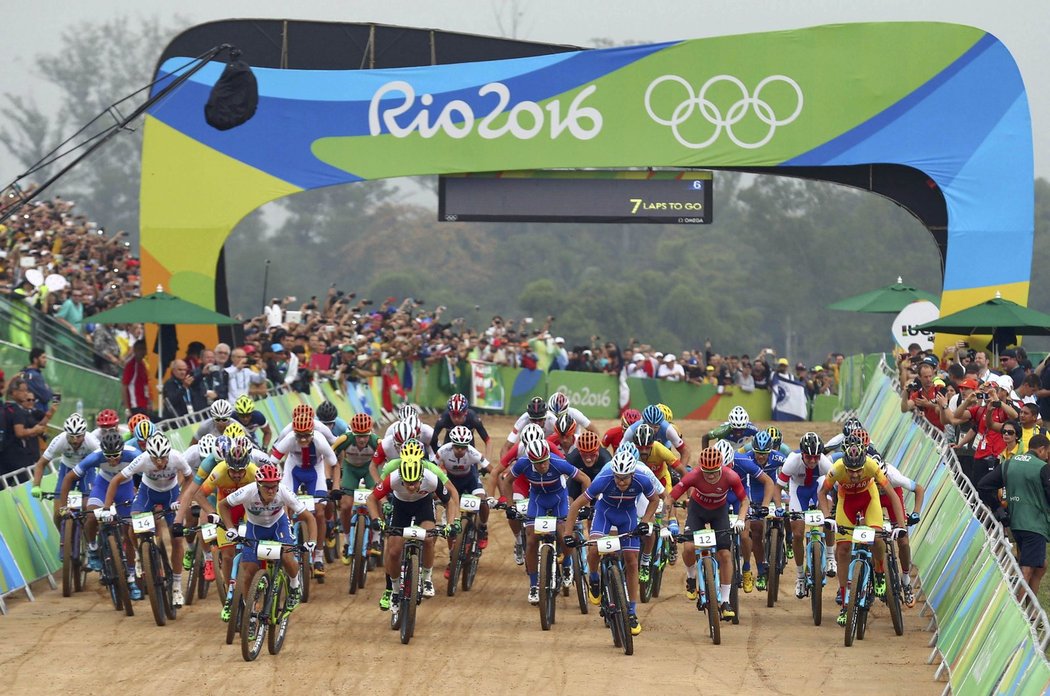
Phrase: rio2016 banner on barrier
x=947 y=100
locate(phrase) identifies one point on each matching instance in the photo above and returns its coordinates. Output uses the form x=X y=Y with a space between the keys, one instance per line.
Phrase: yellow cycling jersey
x=854 y=481
x=222 y=485
x=659 y=462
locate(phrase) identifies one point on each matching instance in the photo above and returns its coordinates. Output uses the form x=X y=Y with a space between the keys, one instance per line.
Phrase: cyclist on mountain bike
x=464 y=464
x=614 y=435
x=69 y=447
x=458 y=412
x=753 y=478
x=802 y=474
x=660 y=461
x=539 y=412
x=310 y=458
x=302 y=411
x=253 y=421
x=666 y=433
x=711 y=482
x=614 y=492
x=738 y=429
x=220 y=414
x=589 y=457
x=412 y=489
x=859 y=478
x=899 y=482
x=355 y=449
x=563 y=439
x=769 y=462
x=778 y=442
x=547 y=495
x=531 y=432
x=267 y=503
x=107 y=420
x=163 y=470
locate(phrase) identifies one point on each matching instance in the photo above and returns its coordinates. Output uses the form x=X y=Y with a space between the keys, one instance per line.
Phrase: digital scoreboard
x=653 y=197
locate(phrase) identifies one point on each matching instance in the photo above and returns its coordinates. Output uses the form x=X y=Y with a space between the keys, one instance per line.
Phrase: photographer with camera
x=988 y=407
x=243 y=373
x=214 y=379
x=920 y=393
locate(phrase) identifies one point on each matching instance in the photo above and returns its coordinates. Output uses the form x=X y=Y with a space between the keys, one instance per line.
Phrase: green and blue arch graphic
x=944 y=99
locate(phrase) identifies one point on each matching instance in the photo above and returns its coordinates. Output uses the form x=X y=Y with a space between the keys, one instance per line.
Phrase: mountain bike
x=465 y=553
x=403 y=616
x=776 y=558
x=114 y=575
x=358 y=539
x=579 y=561
x=708 y=599
x=550 y=581
x=203 y=538
x=815 y=562
x=157 y=578
x=894 y=598
x=658 y=560
x=614 y=605
x=74 y=547
x=860 y=583
x=266 y=612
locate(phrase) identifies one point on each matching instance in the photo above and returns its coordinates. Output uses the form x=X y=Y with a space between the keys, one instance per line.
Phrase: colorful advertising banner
x=486 y=386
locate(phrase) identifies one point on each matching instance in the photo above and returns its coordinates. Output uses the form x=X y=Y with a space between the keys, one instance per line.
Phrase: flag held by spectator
x=789 y=399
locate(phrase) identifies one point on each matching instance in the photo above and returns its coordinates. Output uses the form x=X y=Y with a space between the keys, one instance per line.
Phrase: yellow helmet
x=411 y=466
x=244 y=405
x=234 y=430
x=668 y=413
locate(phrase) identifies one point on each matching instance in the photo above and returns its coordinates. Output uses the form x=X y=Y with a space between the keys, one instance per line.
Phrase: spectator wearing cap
x=820 y=381
x=1010 y=366
x=710 y=376
x=782 y=367
x=921 y=395
x=801 y=372
x=560 y=355
x=636 y=367
x=671 y=370
x=988 y=408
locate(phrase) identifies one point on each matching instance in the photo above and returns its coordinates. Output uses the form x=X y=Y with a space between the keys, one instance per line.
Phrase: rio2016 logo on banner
x=712 y=115
x=586 y=397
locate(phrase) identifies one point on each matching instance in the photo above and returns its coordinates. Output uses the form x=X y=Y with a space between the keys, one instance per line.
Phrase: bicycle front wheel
x=548 y=591
x=254 y=619
x=893 y=593
x=151 y=583
x=580 y=580
x=816 y=577
x=470 y=568
x=120 y=577
x=714 y=618
x=619 y=607
x=855 y=606
x=456 y=560
x=236 y=614
x=279 y=616
x=358 y=554
x=775 y=560
x=410 y=588
x=68 y=555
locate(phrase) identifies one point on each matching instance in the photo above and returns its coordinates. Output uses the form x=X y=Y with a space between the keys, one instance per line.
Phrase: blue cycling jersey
x=550 y=480
x=774 y=461
x=604 y=485
x=106 y=469
x=339 y=426
x=661 y=435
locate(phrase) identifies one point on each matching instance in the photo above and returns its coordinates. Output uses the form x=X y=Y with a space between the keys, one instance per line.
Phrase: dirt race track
x=485 y=641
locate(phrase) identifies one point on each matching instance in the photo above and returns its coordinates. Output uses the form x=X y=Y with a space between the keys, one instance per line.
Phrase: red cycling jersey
x=613 y=437
x=710 y=496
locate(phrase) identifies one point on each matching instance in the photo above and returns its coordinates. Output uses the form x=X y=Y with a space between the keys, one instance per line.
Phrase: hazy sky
x=1022 y=25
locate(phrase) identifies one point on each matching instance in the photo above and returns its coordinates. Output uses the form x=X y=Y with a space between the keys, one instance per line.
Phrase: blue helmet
x=762 y=442
x=653 y=415
x=626 y=446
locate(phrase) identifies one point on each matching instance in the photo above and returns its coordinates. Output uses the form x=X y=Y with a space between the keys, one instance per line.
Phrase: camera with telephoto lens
x=915 y=385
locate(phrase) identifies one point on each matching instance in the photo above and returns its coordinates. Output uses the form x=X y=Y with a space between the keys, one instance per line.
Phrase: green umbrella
x=888 y=300
x=997 y=316
x=162 y=309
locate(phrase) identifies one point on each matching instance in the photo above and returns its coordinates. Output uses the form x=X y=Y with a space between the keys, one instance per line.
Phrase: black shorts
x=406 y=514
x=718 y=520
x=1031 y=548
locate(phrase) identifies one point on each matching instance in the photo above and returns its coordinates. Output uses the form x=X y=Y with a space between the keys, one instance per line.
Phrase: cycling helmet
x=75 y=425
x=403 y=432
x=623 y=464
x=810 y=444
x=240 y=453
x=558 y=403
x=411 y=445
x=849 y=424
x=587 y=442
x=531 y=432
x=268 y=473
x=411 y=466
x=710 y=459
x=666 y=410
x=776 y=436
x=538 y=451
x=244 y=406
x=326 y=412
x=460 y=435
x=626 y=446
x=158 y=446
x=234 y=430
x=865 y=439
x=135 y=420
x=302 y=419
x=738 y=417
x=457 y=403
x=644 y=436
x=653 y=415
x=537 y=409
x=762 y=443
x=206 y=445
x=725 y=448
x=406 y=410
x=107 y=418
x=220 y=409
x=222 y=447
x=144 y=430
x=565 y=425
x=112 y=443
x=853 y=452
x=413 y=422
x=361 y=424
x=631 y=415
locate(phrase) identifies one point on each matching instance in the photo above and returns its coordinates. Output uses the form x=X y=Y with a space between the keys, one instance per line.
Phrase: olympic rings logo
x=713 y=114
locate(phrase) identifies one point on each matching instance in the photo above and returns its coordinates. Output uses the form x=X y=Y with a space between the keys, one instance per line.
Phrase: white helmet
x=206 y=445
x=738 y=417
x=220 y=409
x=530 y=433
x=558 y=403
x=623 y=463
x=158 y=446
x=629 y=447
x=460 y=435
x=413 y=422
x=725 y=448
x=406 y=410
x=538 y=451
x=403 y=431
x=75 y=425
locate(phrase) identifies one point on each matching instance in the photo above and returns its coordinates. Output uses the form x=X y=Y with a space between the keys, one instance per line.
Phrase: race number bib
x=546 y=525
x=209 y=532
x=268 y=550
x=522 y=505
x=863 y=535
x=307 y=500
x=143 y=523
x=705 y=538
x=470 y=503
x=361 y=495
x=75 y=501
x=813 y=518
x=414 y=533
x=609 y=544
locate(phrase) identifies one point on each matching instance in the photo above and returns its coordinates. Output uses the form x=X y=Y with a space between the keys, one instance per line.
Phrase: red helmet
x=457 y=403
x=631 y=415
x=302 y=418
x=268 y=473
x=136 y=419
x=538 y=451
x=107 y=418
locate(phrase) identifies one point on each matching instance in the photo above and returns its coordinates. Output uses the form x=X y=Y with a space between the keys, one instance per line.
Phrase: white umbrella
x=55 y=282
x=34 y=276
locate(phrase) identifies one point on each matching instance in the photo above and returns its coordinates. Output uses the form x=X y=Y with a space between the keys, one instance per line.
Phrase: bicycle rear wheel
x=855 y=606
x=470 y=569
x=774 y=559
x=279 y=629
x=893 y=593
x=714 y=617
x=150 y=582
x=547 y=586
x=734 y=587
x=580 y=580
x=195 y=575
x=619 y=607
x=166 y=581
x=254 y=620
x=236 y=615
x=456 y=559
x=645 y=589
x=358 y=555
x=120 y=578
x=816 y=577
x=409 y=596
x=332 y=544
x=68 y=556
